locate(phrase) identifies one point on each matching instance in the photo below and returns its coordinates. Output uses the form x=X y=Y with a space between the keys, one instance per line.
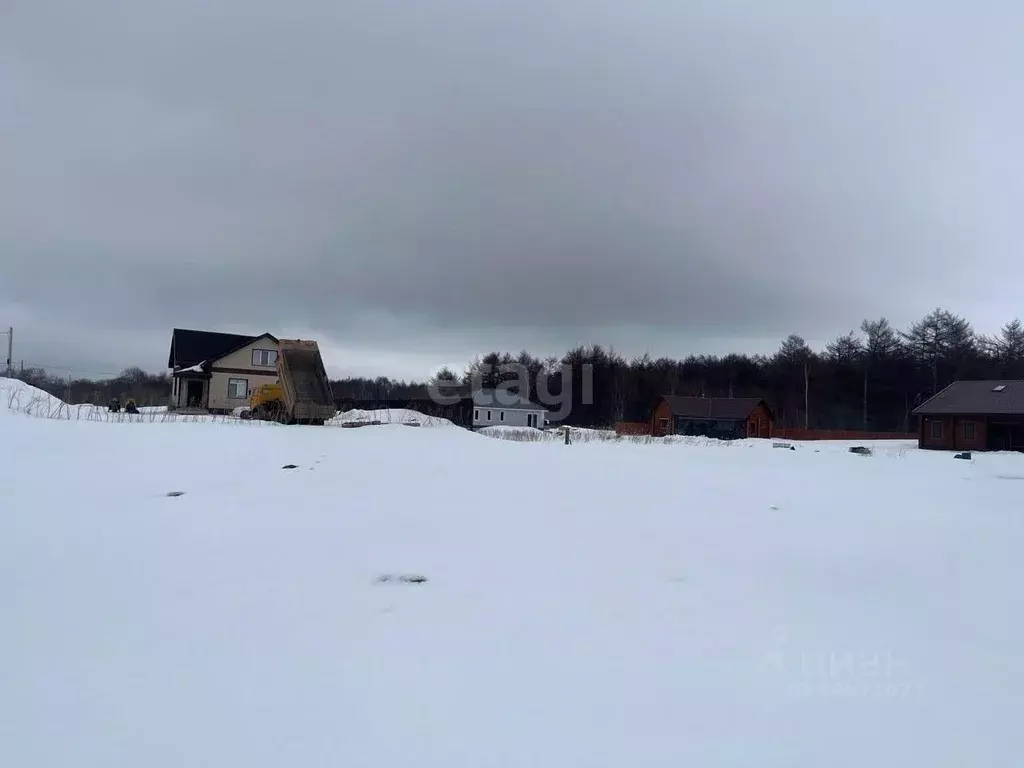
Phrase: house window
x=502 y=415
x=936 y=430
x=968 y=430
x=238 y=389
x=265 y=358
x=488 y=415
x=476 y=414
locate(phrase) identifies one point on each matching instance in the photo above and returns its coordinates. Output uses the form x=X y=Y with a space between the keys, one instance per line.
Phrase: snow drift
x=405 y=416
x=17 y=396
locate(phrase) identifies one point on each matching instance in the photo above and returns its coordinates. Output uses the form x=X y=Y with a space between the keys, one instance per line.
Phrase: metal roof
x=987 y=397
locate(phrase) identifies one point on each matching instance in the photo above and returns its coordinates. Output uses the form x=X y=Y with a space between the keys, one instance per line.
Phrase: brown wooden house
x=722 y=417
x=974 y=416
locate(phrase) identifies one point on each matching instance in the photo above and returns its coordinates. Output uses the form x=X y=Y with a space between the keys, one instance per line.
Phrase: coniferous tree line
x=871 y=378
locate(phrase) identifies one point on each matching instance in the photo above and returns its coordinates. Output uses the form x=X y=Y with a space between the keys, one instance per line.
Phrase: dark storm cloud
x=453 y=176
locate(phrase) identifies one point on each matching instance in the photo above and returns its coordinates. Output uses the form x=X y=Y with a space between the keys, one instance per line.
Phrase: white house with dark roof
x=216 y=372
x=506 y=408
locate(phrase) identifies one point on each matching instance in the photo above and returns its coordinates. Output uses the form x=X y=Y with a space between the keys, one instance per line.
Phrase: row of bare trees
x=145 y=388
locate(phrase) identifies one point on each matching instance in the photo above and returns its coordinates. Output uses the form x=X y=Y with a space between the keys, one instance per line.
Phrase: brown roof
x=995 y=397
x=723 y=408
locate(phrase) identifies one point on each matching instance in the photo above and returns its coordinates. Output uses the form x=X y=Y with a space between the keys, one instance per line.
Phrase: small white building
x=505 y=408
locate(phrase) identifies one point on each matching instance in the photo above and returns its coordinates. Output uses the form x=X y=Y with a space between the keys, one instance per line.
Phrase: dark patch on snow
x=175 y=493
x=965 y=455
x=405 y=578
x=289 y=466
x=860 y=450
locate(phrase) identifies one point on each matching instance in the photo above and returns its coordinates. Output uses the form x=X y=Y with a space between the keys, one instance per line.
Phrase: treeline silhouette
x=868 y=379
x=146 y=388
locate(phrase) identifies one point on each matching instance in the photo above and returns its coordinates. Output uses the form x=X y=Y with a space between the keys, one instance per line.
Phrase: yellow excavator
x=267 y=403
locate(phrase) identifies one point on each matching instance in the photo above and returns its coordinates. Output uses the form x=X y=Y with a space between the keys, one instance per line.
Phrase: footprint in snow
x=405 y=578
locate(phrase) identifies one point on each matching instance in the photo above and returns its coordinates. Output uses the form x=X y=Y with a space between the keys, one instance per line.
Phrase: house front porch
x=190 y=390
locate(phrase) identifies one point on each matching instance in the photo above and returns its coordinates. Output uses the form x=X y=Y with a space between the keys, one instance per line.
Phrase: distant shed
x=722 y=417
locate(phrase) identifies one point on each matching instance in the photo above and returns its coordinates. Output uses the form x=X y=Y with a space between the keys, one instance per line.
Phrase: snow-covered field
x=600 y=604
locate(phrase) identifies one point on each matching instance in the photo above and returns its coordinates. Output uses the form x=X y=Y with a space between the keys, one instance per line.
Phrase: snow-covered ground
x=601 y=604
x=556 y=434
x=578 y=435
x=553 y=434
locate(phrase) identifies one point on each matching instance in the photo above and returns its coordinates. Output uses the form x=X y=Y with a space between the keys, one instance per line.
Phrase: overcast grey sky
x=412 y=183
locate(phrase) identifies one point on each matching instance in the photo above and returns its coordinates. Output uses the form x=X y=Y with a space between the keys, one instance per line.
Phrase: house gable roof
x=993 y=397
x=720 y=408
x=189 y=347
x=505 y=398
x=243 y=345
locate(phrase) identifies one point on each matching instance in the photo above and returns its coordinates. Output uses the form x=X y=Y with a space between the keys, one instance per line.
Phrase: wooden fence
x=782 y=433
x=632 y=428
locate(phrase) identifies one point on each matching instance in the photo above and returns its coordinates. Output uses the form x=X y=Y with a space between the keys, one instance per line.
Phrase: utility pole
x=865 y=403
x=807 y=398
x=10 y=350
